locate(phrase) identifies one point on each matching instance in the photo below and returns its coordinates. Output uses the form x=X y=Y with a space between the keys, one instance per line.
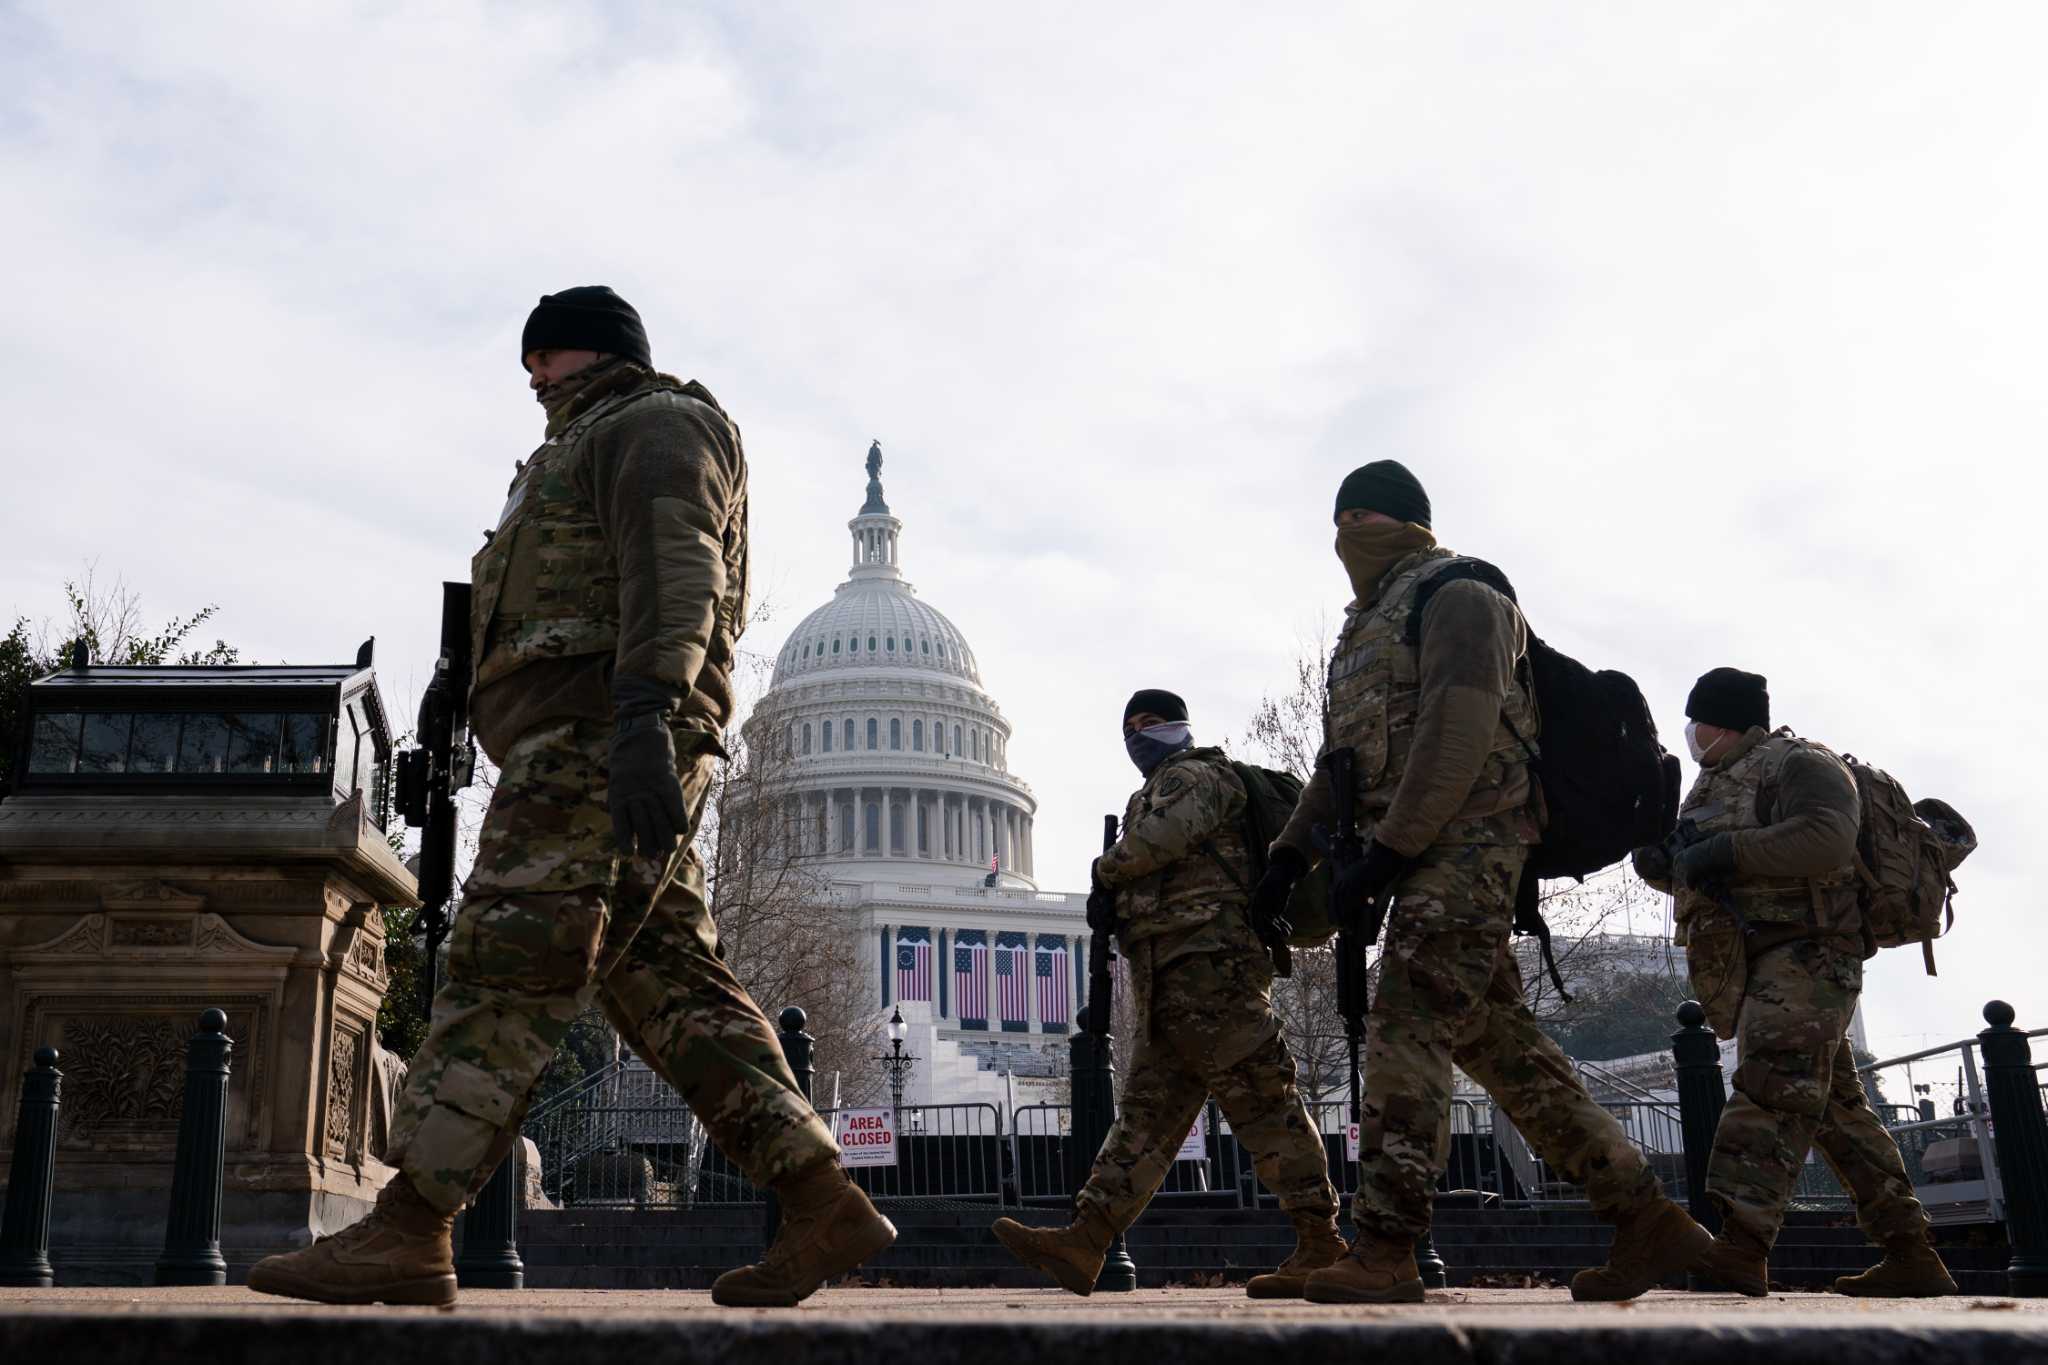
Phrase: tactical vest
x=545 y=586
x=1194 y=889
x=1741 y=794
x=1375 y=699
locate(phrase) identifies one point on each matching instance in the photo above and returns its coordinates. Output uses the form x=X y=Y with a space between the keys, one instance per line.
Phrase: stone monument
x=182 y=838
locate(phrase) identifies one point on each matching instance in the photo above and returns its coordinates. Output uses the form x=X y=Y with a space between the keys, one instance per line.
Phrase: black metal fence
x=619 y=1139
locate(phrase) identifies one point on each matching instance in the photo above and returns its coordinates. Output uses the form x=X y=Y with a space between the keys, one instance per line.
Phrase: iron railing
x=614 y=1139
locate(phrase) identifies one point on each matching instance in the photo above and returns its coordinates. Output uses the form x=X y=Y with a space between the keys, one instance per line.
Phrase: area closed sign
x=866 y=1137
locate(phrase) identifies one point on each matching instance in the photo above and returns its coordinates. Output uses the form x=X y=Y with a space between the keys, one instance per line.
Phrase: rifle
x=1101 y=954
x=430 y=774
x=1347 y=850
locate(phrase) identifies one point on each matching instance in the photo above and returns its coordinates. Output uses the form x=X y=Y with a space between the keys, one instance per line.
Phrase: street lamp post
x=896 y=1061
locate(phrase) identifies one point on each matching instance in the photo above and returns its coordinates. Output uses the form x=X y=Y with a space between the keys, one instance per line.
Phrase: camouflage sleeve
x=1471 y=638
x=1815 y=815
x=1191 y=803
x=661 y=480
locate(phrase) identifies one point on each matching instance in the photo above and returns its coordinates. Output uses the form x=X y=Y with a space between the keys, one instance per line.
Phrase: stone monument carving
x=185 y=838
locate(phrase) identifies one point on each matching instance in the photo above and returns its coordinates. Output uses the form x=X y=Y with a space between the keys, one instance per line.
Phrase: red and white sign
x=1195 y=1146
x=1351 y=1142
x=866 y=1137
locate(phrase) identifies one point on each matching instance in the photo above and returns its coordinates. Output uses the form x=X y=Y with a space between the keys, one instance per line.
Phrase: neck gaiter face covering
x=1369 y=551
x=1154 y=744
x=555 y=399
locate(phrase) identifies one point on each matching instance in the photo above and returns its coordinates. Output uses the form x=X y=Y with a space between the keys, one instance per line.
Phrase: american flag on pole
x=970 y=978
x=1051 y=970
x=1013 y=969
x=914 y=964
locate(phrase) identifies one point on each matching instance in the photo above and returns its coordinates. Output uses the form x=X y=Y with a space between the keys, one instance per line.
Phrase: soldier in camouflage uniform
x=1443 y=730
x=1767 y=912
x=606 y=607
x=1201 y=985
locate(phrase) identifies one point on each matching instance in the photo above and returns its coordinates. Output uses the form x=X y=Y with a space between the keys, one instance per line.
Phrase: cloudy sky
x=1719 y=327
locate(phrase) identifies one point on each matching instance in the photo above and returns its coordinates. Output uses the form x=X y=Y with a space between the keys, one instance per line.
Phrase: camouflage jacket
x=1434 y=727
x=1161 y=868
x=1792 y=809
x=622 y=550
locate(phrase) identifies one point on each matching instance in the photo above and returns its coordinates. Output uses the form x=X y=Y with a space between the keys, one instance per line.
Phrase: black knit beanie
x=1731 y=699
x=1386 y=487
x=1158 y=701
x=589 y=317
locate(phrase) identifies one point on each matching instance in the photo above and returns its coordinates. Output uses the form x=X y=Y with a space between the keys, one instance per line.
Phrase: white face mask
x=1174 y=732
x=1692 y=742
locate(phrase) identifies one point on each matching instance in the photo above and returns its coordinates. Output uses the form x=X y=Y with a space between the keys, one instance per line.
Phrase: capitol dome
x=896 y=752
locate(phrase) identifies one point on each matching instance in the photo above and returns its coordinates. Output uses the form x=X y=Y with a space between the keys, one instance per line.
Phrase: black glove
x=1365 y=881
x=1284 y=868
x=1710 y=858
x=1653 y=863
x=1101 y=903
x=646 y=794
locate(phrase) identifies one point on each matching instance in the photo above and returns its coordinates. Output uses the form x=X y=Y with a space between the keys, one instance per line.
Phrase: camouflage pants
x=1211 y=1031
x=1796 y=1085
x=1450 y=991
x=553 y=915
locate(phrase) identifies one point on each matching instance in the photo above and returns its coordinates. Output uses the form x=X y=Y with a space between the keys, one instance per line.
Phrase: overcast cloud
x=1717 y=326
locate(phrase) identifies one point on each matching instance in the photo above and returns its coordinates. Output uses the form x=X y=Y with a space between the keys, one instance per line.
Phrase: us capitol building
x=900 y=788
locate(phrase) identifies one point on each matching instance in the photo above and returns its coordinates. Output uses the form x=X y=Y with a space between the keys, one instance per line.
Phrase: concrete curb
x=400 y=1338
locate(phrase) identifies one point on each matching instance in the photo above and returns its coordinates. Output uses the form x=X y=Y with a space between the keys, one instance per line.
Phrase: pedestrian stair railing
x=1935 y=1105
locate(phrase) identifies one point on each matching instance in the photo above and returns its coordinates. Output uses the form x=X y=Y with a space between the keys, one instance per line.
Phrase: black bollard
x=25 y=1230
x=1435 y=1274
x=1093 y=1095
x=798 y=1048
x=1696 y=1058
x=2021 y=1136
x=192 y=1235
x=490 y=1229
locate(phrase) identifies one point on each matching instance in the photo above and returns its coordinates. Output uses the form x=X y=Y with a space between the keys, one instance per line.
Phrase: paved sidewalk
x=1551 y=1306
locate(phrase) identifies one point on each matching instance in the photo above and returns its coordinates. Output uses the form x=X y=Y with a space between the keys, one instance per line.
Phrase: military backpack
x=1270 y=797
x=1608 y=785
x=1905 y=853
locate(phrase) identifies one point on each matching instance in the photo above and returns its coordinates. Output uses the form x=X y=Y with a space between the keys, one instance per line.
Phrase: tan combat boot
x=1072 y=1254
x=1911 y=1269
x=1316 y=1245
x=1738 y=1262
x=828 y=1228
x=1372 y=1270
x=1650 y=1246
x=399 y=1253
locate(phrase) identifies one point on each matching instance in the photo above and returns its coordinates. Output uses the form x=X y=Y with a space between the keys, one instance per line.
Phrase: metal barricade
x=1490 y=1157
x=604 y=1144
x=944 y=1153
x=1038 y=1137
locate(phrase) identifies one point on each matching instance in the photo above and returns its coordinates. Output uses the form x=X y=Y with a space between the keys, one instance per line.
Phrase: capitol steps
x=951 y=1247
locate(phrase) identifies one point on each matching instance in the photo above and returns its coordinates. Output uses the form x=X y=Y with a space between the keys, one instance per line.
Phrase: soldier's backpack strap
x=1248 y=832
x=1458 y=570
x=1454 y=571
